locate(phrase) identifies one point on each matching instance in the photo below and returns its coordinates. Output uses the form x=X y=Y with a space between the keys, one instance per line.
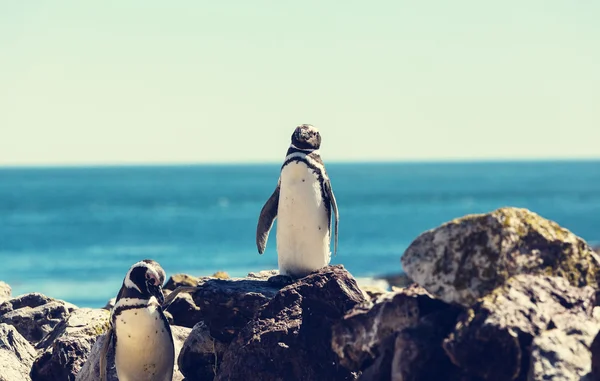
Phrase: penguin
x=302 y=202
x=140 y=332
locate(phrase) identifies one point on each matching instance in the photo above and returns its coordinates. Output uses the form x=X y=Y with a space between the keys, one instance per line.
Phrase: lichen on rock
x=466 y=258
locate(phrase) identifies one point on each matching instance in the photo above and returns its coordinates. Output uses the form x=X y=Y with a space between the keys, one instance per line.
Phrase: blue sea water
x=72 y=233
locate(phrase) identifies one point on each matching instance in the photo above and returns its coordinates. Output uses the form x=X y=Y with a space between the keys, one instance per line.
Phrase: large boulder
x=5 y=291
x=180 y=280
x=525 y=314
x=563 y=353
x=16 y=355
x=201 y=355
x=465 y=259
x=67 y=347
x=91 y=369
x=359 y=336
x=397 y=336
x=34 y=315
x=224 y=305
x=290 y=338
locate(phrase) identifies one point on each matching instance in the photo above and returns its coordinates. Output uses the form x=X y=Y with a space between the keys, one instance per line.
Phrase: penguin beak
x=156 y=291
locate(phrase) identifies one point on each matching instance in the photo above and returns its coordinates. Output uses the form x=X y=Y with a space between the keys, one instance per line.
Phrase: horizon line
x=273 y=162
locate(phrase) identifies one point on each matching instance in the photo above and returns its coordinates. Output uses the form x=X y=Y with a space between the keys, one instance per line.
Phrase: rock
x=397 y=336
x=34 y=315
x=110 y=304
x=290 y=338
x=67 y=347
x=381 y=368
x=16 y=355
x=180 y=334
x=264 y=274
x=224 y=305
x=91 y=369
x=357 y=338
x=418 y=348
x=563 y=354
x=221 y=275
x=595 y=351
x=373 y=292
x=5 y=291
x=200 y=355
x=502 y=326
x=373 y=287
x=180 y=280
x=465 y=259
x=184 y=310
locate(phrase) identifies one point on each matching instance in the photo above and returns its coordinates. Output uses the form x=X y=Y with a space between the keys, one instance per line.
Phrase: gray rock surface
x=16 y=355
x=91 y=369
x=180 y=280
x=418 y=351
x=501 y=327
x=200 y=355
x=466 y=258
x=224 y=305
x=34 y=315
x=67 y=347
x=5 y=291
x=563 y=354
x=359 y=336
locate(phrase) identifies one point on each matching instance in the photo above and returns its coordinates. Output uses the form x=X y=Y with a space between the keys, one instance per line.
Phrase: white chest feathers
x=303 y=236
x=144 y=347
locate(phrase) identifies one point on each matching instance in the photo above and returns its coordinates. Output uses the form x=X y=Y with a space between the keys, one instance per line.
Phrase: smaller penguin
x=140 y=332
x=303 y=202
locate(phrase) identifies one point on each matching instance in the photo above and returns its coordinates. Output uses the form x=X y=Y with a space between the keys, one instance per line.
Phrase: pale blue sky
x=221 y=81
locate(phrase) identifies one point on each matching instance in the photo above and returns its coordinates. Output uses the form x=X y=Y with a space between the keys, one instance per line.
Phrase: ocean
x=72 y=233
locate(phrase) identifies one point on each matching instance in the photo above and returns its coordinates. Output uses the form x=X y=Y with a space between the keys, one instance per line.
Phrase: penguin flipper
x=329 y=191
x=104 y=353
x=266 y=219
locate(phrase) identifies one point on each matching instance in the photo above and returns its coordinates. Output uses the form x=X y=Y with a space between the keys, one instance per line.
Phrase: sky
x=130 y=82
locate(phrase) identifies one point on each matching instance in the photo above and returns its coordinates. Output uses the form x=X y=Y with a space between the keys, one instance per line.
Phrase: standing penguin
x=140 y=332
x=302 y=201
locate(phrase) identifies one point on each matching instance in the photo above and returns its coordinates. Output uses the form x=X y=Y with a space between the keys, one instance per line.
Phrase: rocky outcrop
x=16 y=355
x=180 y=280
x=357 y=338
x=397 y=336
x=90 y=371
x=290 y=338
x=563 y=354
x=67 y=347
x=5 y=292
x=465 y=259
x=504 y=324
x=34 y=315
x=201 y=355
x=224 y=305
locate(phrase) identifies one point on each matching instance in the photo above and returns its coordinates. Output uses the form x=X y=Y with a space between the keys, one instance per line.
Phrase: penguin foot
x=280 y=280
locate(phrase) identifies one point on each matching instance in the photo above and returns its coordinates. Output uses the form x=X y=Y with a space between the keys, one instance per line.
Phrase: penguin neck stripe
x=125 y=304
x=306 y=158
x=308 y=150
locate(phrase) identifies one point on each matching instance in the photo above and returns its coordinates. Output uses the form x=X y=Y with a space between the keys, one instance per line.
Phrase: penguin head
x=306 y=137
x=147 y=277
